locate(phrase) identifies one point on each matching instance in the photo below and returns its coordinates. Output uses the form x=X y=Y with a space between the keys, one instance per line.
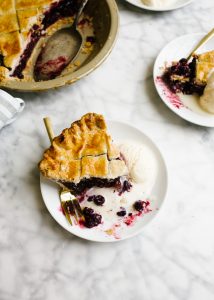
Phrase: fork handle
x=202 y=42
x=49 y=128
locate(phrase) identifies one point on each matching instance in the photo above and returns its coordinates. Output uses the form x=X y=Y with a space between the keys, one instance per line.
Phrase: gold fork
x=205 y=39
x=70 y=205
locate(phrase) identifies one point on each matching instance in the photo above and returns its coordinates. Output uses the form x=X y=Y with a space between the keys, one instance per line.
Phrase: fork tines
x=72 y=208
x=67 y=211
x=78 y=209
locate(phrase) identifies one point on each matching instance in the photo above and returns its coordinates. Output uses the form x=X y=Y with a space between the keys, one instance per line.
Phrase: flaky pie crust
x=82 y=151
x=17 y=18
x=205 y=63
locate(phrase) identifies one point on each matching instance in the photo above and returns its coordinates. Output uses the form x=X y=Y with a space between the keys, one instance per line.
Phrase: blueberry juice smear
x=58 y=10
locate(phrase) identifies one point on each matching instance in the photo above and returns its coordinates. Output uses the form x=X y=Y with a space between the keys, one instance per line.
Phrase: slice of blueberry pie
x=190 y=77
x=83 y=156
x=24 y=24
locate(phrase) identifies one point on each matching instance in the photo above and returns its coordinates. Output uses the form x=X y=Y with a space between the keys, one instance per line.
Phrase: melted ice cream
x=142 y=167
x=207 y=99
x=141 y=163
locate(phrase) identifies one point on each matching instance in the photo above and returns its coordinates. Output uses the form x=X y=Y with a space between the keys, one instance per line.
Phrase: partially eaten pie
x=190 y=77
x=23 y=24
x=83 y=156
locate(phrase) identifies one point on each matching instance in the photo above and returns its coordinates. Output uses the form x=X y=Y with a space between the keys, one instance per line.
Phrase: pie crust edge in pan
x=105 y=22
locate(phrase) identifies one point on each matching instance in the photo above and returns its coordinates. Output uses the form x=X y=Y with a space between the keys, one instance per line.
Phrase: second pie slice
x=83 y=156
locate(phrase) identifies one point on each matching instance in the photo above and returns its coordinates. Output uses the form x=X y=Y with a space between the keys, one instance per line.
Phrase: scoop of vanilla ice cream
x=158 y=3
x=141 y=162
x=207 y=99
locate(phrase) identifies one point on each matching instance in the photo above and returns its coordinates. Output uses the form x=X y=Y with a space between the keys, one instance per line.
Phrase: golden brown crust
x=7 y=6
x=94 y=166
x=55 y=168
x=205 y=63
x=3 y=73
x=18 y=18
x=85 y=137
x=206 y=57
x=10 y=46
x=27 y=18
x=87 y=142
x=8 y=23
x=25 y=4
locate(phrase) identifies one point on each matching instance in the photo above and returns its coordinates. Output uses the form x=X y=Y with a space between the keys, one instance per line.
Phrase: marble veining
x=173 y=258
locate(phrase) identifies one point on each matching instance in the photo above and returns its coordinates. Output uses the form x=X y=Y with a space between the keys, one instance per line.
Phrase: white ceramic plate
x=185 y=106
x=177 y=4
x=119 y=131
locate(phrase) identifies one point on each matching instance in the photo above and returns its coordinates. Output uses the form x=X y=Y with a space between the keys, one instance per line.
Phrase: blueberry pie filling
x=121 y=184
x=189 y=77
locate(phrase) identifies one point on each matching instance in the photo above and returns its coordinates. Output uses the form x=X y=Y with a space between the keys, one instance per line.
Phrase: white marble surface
x=174 y=257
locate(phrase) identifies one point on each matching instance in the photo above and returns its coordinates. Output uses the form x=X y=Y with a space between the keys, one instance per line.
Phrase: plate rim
x=138 y=231
x=173 y=109
x=149 y=8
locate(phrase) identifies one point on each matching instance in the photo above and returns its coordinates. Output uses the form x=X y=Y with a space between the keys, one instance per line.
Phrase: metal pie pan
x=105 y=22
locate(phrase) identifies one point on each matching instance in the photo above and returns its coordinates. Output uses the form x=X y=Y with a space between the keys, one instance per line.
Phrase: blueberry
x=90 y=39
x=173 y=68
x=88 y=211
x=93 y=220
x=98 y=199
x=127 y=186
x=139 y=205
x=183 y=61
x=121 y=213
x=90 y=199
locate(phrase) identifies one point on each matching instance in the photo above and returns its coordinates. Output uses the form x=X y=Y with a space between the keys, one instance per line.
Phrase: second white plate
x=185 y=106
